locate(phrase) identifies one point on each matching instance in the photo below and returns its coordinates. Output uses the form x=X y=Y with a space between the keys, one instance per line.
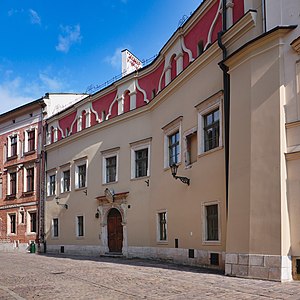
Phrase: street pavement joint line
x=13 y=294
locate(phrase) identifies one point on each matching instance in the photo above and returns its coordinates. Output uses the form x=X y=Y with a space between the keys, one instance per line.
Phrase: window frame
x=205 y=239
x=169 y=130
x=78 y=230
x=9 y=183
x=28 y=139
x=204 y=108
x=30 y=221
x=109 y=154
x=79 y=163
x=158 y=229
x=49 y=185
x=9 y=224
x=138 y=146
x=53 y=232
x=26 y=181
x=191 y=132
x=63 y=181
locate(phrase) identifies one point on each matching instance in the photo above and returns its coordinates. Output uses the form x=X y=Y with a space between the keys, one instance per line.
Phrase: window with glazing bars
x=13 y=146
x=32 y=216
x=211 y=130
x=162 y=226
x=31 y=140
x=80 y=225
x=13 y=183
x=111 y=169
x=30 y=179
x=141 y=162
x=66 y=181
x=174 y=150
x=13 y=223
x=212 y=226
x=82 y=176
x=55 y=227
x=52 y=182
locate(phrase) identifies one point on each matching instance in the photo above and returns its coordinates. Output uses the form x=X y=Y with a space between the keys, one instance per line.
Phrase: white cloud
x=34 y=17
x=70 y=36
x=53 y=84
x=115 y=60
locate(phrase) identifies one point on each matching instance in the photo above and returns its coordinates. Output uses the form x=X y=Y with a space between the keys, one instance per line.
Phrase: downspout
x=226 y=87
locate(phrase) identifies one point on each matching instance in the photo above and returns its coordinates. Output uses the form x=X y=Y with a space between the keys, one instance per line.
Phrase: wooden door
x=115 y=231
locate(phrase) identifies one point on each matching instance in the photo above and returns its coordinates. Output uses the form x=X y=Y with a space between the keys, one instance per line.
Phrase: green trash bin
x=32 y=247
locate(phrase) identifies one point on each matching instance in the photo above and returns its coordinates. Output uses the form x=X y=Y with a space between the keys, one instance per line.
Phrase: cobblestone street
x=31 y=276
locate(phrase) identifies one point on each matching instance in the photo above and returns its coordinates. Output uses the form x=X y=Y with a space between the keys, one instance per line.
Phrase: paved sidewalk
x=32 y=276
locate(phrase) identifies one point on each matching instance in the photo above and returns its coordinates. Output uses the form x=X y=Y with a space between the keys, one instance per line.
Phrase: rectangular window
x=212 y=226
x=55 y=227
x=141 y=163
x=66 y=181
x=111 y=169
x=13 y=146
x=12 y=219
x=162 y=224
x=31 y=140
x=211 y=130
x=80 y=228
x=174 y=149
x=13 y=183
x=191 y=148
x=82 y=176
x=32 y=217
x=30 y=179
x=52 y=185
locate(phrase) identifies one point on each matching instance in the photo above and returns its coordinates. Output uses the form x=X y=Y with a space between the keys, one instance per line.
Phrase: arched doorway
x=115 y=231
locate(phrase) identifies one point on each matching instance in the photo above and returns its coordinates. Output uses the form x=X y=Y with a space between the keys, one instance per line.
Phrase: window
x=191 y=148
x=210 y=123
x=172 y=142
x=211 y=226
x=211 y=130
x=66 y=179
x=110 y=166
x=140 y=158
x=81 y=167
x=141 y=163
x=30 y=180
x=33 y=225
x=51 y=184
x=82 y=176
x=13 y=146
x=1 y=186
x=80 y=226
x=162 y=226
x=111 y=169
x=55 y=227
x=13 y=183
x=31 y=140
x=12 y=224
x=174 y=150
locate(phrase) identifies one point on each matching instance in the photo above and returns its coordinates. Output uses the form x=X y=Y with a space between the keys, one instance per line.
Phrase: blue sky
x=65 y=46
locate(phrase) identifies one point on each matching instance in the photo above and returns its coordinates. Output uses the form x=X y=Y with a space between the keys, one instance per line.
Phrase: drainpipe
x=226 y=87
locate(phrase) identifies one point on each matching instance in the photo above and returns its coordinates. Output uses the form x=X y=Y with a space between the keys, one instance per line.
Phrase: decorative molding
x=296 y=45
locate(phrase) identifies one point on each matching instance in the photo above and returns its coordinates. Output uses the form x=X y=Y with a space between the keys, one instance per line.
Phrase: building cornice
x=296 y=45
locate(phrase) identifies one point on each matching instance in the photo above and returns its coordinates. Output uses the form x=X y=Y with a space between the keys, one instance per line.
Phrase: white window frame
x=26 y=139
x=204 y=108
x=77 y=228
x=136 y=146
x=28 y=223
x=107 y=154
x=169 y=130
x=9 y=144
x=205 y=241
x=158 y=240
x=50 y=173
x=8 y=181
x=9 y=224
x=25 y=177
x=52 y=227
x=62 y=170
x=77 y=164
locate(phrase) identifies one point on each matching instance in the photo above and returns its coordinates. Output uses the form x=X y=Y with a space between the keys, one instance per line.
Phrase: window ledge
x=168 y=168
x=162 y=242
x=109 y=183
x=65 y=193
x=50 y=197
x=211 y=243
x=210 y=151
x=139 y=178
x=29 y=152
x=27 y=194
x=80 y=237
x=11 y=197
x=12 y=157
x=79 y=189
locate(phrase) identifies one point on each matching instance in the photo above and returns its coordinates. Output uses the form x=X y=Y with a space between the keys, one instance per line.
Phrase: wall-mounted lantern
x=174 y=169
